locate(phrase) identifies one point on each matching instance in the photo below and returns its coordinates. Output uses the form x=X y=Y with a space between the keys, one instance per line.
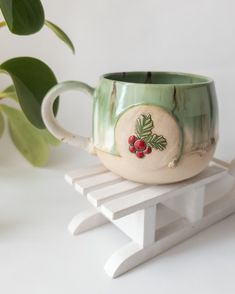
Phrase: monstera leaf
x=23 y=17
x=32 y=79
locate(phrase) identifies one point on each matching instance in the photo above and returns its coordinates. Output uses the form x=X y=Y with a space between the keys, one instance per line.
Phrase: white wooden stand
x=154 y=217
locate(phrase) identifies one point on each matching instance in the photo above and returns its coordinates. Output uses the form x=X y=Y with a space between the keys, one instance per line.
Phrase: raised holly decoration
x=144 y=140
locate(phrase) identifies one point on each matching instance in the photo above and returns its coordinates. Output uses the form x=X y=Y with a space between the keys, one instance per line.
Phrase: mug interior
x=158 y=78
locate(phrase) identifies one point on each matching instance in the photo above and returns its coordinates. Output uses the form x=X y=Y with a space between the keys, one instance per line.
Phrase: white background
x=37 y=255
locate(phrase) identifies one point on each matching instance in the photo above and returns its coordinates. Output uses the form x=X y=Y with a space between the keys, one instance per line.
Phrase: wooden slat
x=155 y=194
x=98 y=197
x=96 y=181
x=82 y=173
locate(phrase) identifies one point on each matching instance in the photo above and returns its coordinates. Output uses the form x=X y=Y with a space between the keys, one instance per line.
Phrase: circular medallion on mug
x=148 y=137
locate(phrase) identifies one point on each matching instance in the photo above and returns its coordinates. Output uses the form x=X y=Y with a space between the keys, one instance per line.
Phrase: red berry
x=132 y=140
x=148 y=150
x=140 y=154
x=140 y=145
x=132 y=148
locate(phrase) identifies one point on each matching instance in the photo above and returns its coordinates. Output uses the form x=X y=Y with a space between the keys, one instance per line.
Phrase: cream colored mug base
x=190 y=165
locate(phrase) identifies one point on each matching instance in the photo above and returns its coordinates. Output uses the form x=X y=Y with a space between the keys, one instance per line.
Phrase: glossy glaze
x=191 y=100
x=179 y=109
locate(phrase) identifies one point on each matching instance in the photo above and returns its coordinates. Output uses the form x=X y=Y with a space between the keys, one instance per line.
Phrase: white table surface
x=39 y=256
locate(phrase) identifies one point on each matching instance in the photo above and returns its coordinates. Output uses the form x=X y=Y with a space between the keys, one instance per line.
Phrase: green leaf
x=2 y=125
x=49 y=138
x=157 y=142
x=144 y=126
x=60 y=34
x=32 y=80
x=2 y=24
x=23 y=17
x=26 y=137
x=9 y=92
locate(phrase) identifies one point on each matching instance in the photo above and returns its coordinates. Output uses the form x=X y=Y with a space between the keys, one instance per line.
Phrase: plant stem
x=2 y=24
x=3 y=95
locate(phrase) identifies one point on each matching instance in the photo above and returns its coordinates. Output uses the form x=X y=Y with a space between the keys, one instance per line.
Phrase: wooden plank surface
x=155 y=194
x=82 y=173
x=96 y=181
x=108 y=193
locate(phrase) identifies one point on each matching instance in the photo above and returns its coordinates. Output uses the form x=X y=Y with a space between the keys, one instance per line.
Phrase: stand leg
x=133 y=254
x=123 y=260
x=194 y=204
x=189 y=205
x=86 y=220
x=146 y=226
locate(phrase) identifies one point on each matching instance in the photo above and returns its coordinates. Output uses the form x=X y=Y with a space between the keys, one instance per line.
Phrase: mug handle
x=50 y=121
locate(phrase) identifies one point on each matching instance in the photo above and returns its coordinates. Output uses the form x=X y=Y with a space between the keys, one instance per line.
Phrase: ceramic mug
x=149 y=127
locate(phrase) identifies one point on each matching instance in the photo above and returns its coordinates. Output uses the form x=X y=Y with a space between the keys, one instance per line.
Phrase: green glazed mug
x=148 y=127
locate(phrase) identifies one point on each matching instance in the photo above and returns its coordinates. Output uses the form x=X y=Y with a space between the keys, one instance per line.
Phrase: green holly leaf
x=60 y=34
x=26 y=137
x=23 y=17
x=32 y=79
x=144 y=126
x=157 y=142
x=2 y=125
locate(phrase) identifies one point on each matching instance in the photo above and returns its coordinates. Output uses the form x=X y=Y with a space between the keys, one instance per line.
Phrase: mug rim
x=204 y=79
